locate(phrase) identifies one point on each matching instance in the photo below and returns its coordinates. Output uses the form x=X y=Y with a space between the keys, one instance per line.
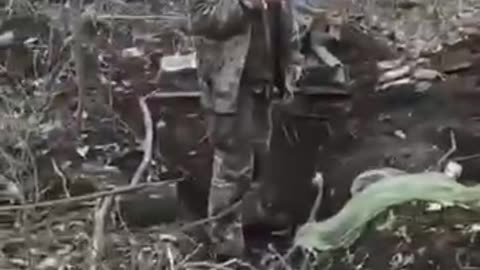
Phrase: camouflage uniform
x=236 y=76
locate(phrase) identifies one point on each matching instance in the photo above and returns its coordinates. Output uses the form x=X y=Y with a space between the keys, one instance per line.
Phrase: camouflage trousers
x=241 y=145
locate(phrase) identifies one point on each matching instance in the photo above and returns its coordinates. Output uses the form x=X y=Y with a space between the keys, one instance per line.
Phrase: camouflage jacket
x=222 y=39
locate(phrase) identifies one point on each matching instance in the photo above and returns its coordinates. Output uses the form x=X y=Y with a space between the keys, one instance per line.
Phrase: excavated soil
x=338 y=135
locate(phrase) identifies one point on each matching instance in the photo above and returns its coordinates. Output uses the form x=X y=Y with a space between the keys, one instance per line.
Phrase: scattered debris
x=65 y=120
x=401 y=72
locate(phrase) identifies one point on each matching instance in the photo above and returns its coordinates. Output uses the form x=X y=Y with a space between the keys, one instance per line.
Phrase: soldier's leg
x=260 y=138
x=260 y=135
x=232 y=169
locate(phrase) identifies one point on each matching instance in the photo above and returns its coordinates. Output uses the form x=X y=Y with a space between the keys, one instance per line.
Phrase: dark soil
x=354 y=140
x=340 y=135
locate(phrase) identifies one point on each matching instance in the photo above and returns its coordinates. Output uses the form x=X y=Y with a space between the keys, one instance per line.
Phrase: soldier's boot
x=266 y=209
x=230 y=182
x=226 y=230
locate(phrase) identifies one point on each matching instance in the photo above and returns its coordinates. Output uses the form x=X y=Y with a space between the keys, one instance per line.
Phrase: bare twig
x=51 y=47
x=318 y=181
x=453 y=148
x=147 y=144
x=101 y=212
x=10 y=10
x=62 y=176
x=80 y=60
x=26 y=231
x=88 y=197
x=168 y=95
x=171 y=260
x=26 y=223
x=33 y=162
x=98 y=239
x=282 y=260
x=59 y=65
x=140 y=18
x=204 y=221
x=191 y=254
x=466 y=158
x=228 y=265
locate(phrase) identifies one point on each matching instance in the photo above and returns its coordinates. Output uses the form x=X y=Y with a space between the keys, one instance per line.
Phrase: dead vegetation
x=79 y=90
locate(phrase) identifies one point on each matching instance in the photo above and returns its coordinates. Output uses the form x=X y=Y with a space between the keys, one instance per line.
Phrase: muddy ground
x=338 y=135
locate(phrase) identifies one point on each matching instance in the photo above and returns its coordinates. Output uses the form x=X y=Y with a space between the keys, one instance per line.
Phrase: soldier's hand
x=253 y=4
x=258 y=4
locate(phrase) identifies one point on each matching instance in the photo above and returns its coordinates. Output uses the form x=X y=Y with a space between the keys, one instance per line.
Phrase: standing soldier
x=245 y=51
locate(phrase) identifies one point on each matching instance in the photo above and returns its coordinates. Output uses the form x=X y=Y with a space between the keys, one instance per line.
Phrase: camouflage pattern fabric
x=239 y=139
x=238 y=110
x=222 y=30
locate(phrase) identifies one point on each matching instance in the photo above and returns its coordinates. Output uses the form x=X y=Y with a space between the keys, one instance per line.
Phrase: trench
x=338 y=135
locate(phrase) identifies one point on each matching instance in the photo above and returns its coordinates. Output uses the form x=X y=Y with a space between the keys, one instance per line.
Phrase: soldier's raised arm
x=217 y=19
